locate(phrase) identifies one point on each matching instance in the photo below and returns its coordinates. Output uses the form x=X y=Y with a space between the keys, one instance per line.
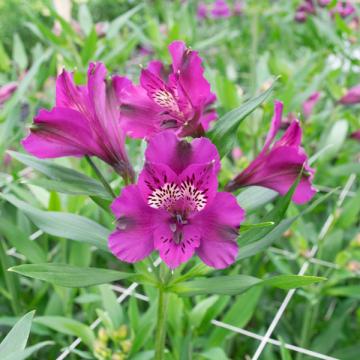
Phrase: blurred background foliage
x=243 y=54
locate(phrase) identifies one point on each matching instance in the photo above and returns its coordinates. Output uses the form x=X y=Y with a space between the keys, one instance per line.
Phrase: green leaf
x=66 y=225
x=68 y=326
x=255 y=197
x=226 y=285
x=237 y=284
x=20 y=93
x=17 y=336
x=89 y=47
x=287 y=282
x=225 y=128
x=4 y=59
x=19 y=54
x=266 y=241
x=64 y=179
x=70 y=276
x=351 y=291
x=111 y=306
x=120 y=21
x=26 y=353
x=335 y=139
x=17 y=238
x=198 y=312
x=85 y=19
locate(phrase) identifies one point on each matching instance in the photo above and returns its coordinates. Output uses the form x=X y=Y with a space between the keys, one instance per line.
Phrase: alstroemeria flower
x=202 y=11
x=343 y=8
x=279 y=164
x=175 y=207
x=84 y=121
x=352 y=96
x=177 y=98
x=310 y=103
x=220 y=9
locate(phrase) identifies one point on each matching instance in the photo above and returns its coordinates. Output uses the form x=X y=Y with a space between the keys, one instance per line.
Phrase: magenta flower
x=310 y=103
x=220 y=9
x=6 y=91
x=343 y=8
x=84 y=121
x=202 y=11
x=324 y=3
x=175 y=207
x=306 y=8
x=178 y=98
x=355 y=135
x=352 y=96
x=278 y=165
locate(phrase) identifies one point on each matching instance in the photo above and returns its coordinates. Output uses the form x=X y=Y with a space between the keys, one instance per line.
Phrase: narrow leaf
x=68 y=275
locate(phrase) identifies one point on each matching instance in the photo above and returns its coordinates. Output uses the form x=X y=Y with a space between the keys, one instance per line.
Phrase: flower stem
x=163 y=299
x=100 y=176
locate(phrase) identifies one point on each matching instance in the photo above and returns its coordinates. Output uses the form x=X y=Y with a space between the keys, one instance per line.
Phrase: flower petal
x=220 y=224
x=158 y=185
x=172 y=252
x=187 y=65
x=60 y=132
x=278 y=171
x=199 y=184
x=69 y=95
x=133 y=239
x=275 y=124
x=167 y=148
x=139 y=114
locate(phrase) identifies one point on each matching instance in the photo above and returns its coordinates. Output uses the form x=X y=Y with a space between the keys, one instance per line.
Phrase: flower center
x=179 y=200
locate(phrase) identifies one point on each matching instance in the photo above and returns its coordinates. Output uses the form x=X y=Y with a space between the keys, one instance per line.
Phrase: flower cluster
x=219 y=9
x=308 y=7
x=175 y=206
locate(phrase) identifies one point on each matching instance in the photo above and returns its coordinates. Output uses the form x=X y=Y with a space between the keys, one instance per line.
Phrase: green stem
x=100 y=176
x=161 y=324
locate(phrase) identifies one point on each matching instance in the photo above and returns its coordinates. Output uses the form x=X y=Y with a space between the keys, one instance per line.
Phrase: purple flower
x=310 y=103
x=177 y=98
x=84 y=121
x=304 y=9
x=220 y=9
x=352 y=96
x=202 y=11
x=175 y=207
x=279 y=163
x=355 y=135
x=343 y=8
x=6 y=91
x=324 y=3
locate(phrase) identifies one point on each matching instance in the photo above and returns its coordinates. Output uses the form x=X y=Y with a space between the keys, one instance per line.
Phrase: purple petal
x=310 y=103
x=278 y=171
x=69 y=95
x=201 y=177
x=133 y=239
x=139 y=114
x=220 y=9
x=6 y=91
x=220 y=225
x=187 y=65
x=167 y=148
x=172 y=252
x=275 y=124
x=158 y=179
x=60 y=132
x=352 y=96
